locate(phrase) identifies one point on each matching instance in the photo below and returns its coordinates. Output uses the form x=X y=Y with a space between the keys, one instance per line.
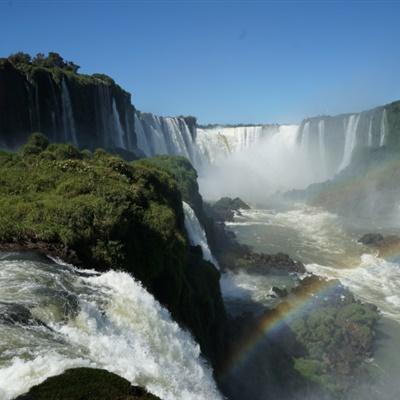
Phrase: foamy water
x=374 y=280
x=95 y=320
x=317 y=238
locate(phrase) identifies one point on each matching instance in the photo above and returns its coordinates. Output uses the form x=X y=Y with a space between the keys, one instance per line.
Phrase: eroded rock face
x=88 y=384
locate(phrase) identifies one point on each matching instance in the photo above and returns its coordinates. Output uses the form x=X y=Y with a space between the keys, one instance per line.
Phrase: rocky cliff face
x=87 y=111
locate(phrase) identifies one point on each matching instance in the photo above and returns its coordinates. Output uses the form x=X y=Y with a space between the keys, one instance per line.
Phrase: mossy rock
x=86 y=384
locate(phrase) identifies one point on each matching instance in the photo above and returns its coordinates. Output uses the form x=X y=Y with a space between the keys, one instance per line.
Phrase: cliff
x=47 y=95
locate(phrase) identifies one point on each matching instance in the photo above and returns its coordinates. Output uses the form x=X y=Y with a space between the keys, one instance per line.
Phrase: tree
x=20 y=58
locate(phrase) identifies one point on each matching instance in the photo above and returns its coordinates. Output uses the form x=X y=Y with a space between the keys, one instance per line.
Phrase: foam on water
x=374 y=280
x=95 y=320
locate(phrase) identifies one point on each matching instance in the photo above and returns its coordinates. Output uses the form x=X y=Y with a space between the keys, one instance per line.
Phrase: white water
x=67 y=115
x=196 y=233
x=350 y=140
x=370 y=133
x=165 y=135
x=217 y=143
x=119 y=131
x=382 y=140
x=374 y=279
x=269 y=164
x=105 y=321
x=322 y=148
x=317 y=238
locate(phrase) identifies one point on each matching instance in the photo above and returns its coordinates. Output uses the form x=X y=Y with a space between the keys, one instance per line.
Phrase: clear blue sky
x=223 y=61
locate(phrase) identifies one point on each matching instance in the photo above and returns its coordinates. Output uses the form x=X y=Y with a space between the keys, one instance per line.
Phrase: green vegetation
x=53 y=63
x=87 y=384
x=336 y=339
x=38 y=89
x=97 y=210
x=183 y=172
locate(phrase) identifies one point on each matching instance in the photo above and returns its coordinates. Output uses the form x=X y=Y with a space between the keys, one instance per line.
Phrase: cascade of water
x=119 y=130
x=305 y=138
x=322 y=146
x=106 y=321
x=350 y=140
x=55 y=114
x=165 y=135
x=37 y=107
x=67 y=115
x=370 y=132
x=216 y=143
x=196 y=233
x=175 y=137
x=141 y=138
x=383 y=129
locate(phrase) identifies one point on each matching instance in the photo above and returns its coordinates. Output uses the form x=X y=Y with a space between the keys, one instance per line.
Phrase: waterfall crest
x=196 y=233
x=73 y=318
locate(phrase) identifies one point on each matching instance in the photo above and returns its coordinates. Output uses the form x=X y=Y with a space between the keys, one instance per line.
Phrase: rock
x=280 y=262
x=88 y=384
x=387 y=245
x=278 y=292
x=371 y=239
x=17 y=314
x=224 y=209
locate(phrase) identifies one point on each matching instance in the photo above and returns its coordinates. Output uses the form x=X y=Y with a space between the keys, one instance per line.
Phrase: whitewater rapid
x=77 y=318
x=319 y=239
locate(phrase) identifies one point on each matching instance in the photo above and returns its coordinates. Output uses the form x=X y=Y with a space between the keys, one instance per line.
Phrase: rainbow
x=273 y=321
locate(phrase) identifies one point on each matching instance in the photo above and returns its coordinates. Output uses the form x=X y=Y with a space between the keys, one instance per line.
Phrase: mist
x=274 y=163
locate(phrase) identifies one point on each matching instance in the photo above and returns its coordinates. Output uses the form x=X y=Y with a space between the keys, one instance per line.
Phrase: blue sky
x=223 y=61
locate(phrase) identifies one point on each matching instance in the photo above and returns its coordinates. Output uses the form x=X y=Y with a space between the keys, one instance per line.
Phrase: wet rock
x=11 y=314
x=280 y=262
x=225 y=208
x=278 y=292
x=371 y=239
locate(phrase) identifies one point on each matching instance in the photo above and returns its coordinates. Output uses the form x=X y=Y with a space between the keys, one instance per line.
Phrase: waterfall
x=216 y=143
x=350 y=140
x=119 y=131
x=67 y=115
x=165 y=135
x=370 y=133
x=196 y=233
x=54 y=317
x=305 y=138
x=383 y=129
x=322 y=147
x=141 y=137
